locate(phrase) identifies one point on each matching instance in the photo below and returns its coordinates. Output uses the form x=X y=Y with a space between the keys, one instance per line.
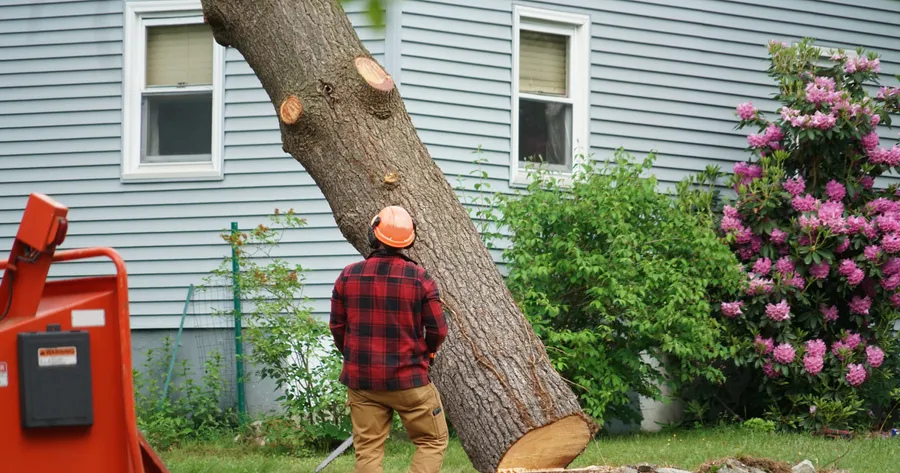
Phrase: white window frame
x=578 y=29
x=139 y=14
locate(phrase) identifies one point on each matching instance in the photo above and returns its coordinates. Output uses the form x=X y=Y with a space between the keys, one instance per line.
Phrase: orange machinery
x=66 y=398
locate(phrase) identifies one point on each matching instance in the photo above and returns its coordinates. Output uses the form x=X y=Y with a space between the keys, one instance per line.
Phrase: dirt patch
x=769 y=466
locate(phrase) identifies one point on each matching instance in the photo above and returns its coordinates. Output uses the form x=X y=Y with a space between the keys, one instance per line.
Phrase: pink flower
x=891 y=282
x=748 y=170
x=847 y=267
x=730 y=223
x=875 y=120
x=852 y=340
x=778 y=236
x=779 y=312
x=813 y=364
x=816 y=348
x=867 y=182
x=756 y=243
x=732 y=309
x=764 y=346
x=830 y=313
x=860 y=305
x=891 y=266
x=762 y=266
x=840 y=349
x=874 y=355
x=890 y=157
x=797 y=282
x=759 y=286
x=831 y=213
x=869 y=231
x=784 y=265
x=788 y=113
x=887 y=223
x=891 y=242
x=856 y=277
x=819 y=270
x=822 y=91
x=743 y=236
x=823 y=121
x=895 y=300
x=856 y=374
x=732 y=212
x=842 y=246
x=757 y=140
x=806 y=203
x=746 y=252
x=871 y=252
x=809 y=224
x=795 y=185
x=746 y=110
x=862 y=64
x=880 y=205
x=870 y=141
x=835 y=190
x=784 y=353
x=774 y=133
x=769 y=370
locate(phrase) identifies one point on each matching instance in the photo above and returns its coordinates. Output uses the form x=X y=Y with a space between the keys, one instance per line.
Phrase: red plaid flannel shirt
x=386 y=318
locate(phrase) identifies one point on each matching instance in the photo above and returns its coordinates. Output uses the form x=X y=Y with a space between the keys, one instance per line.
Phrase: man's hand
x=430 y=360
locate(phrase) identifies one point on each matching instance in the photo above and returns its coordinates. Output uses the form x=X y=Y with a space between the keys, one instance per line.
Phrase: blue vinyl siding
x=60 y=134
x=663 y=75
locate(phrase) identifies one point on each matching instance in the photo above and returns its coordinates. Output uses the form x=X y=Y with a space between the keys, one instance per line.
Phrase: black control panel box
x=55 y=379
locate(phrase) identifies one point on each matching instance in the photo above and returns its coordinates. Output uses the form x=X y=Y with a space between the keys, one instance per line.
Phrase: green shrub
x=814 y=322
x=613 y=276
x=190 y=411
x=760 y=425
x=285 y=342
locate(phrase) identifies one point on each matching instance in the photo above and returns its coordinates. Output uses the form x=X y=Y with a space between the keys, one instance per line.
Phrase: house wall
x=60 y=134
x=661 y=77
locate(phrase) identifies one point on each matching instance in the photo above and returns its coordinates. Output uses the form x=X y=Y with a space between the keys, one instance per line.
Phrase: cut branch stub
x=291 y=110
x=374 y=75
x=391 y=178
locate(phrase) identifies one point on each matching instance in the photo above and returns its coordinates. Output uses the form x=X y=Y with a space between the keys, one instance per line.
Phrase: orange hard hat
x=394 y=227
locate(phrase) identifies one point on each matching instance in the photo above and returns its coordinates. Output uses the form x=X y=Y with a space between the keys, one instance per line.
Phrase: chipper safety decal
x=57 y=356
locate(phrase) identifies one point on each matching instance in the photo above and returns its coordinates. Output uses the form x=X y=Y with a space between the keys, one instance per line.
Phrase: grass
x=685 y=449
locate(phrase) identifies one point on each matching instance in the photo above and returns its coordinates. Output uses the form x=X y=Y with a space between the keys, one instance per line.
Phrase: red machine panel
x=70 y=342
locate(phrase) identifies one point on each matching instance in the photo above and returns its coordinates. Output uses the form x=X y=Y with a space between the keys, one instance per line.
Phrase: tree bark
x=344 y=121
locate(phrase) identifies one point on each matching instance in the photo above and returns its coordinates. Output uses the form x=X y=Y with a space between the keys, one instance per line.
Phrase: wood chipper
x=66 y=395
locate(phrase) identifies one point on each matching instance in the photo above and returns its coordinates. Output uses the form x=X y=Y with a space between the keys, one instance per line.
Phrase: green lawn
x=688 y=450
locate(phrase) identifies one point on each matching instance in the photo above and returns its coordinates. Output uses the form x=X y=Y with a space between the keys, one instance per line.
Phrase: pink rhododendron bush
x=816 y=225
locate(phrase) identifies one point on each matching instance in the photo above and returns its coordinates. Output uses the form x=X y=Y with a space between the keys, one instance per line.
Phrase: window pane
x=545 y=133
x=543 y=63
x=179 y=54
x=177 y=128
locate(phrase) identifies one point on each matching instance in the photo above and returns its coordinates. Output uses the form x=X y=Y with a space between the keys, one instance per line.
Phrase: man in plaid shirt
x=388 y=322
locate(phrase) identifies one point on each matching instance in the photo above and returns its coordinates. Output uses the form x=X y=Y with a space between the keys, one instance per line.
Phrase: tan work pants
x=422 y=414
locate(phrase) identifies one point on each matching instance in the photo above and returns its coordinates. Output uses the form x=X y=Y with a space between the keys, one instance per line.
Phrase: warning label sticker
x=57 y=356
x=4 y=374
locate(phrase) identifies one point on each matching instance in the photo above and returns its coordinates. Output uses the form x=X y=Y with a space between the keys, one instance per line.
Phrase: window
x=550 y=90
x=172 y=100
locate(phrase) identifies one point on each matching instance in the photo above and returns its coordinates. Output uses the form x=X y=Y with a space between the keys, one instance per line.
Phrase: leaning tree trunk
x=342 y=118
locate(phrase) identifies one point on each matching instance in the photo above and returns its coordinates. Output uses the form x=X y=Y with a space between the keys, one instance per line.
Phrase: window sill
x=173 y=172
x=522 y=179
